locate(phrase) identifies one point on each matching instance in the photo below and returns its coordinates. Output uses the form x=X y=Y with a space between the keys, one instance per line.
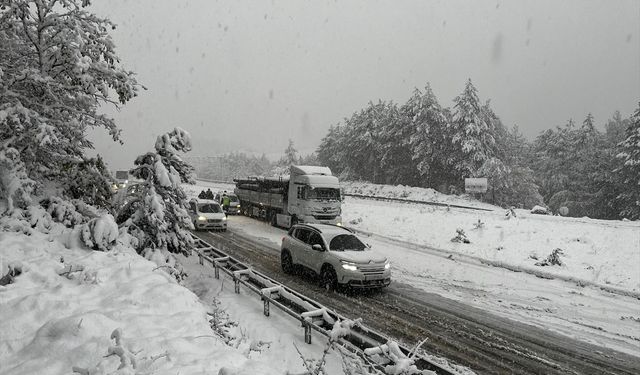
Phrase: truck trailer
x=309 y=194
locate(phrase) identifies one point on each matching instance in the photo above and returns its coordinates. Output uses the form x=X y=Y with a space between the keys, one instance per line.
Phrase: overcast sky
x=248 y=75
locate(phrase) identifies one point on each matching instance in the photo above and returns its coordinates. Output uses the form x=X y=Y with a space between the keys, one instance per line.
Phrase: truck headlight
x=202 y=218
x=224 y=218
x=349 y=267
x=238 y=206
x=387 y=266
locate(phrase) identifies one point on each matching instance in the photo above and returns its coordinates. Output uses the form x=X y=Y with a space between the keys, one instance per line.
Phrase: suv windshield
x=233 y=198
x=344 y=242
x=323 y=194
x=209 y=208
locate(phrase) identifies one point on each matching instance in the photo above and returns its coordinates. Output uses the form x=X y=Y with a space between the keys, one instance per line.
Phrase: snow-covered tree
x=427 y=144
x=629 y=171
x=57 y=67
x=290 y=155
x=330 y=151
x=471 y=132
x=364 y=142
x=156 y=210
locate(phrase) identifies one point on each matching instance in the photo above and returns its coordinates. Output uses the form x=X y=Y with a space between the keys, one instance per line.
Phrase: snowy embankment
x=600 y=252
x=411 y=193
x=72 y=307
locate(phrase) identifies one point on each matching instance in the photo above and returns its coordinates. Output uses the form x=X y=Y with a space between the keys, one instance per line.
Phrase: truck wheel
x=328 y=279
x=287 y=262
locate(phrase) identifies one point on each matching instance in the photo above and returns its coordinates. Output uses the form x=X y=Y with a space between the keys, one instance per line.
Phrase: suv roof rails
x=309 y=225
x=312 y=225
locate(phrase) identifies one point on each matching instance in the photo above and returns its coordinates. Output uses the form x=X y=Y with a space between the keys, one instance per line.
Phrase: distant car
x=336 y=254
x=207 y=214
x=234 y=202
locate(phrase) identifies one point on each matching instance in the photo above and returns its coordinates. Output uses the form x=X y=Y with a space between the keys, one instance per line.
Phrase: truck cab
x=314 y=195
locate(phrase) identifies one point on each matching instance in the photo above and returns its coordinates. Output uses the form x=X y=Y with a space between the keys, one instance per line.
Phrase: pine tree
x=330 y=151
x=471 y=133
x=57 y=67
x=427 y=143
x=629 y=170
x=156 y=213
x=290 y=155
x=396 y=162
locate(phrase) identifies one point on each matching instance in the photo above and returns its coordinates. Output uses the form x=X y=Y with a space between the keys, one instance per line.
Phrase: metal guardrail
x=440 y=204
x=312 y=315
x=215 y=181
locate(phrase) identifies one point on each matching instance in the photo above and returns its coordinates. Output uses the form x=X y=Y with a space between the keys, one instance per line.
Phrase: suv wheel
x=328 y=279
x=287 y=263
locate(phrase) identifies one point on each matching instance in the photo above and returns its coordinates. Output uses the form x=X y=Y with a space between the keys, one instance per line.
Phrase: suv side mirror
x=317 y=247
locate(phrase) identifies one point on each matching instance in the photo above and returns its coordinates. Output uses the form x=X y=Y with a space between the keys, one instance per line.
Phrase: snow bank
x=605 y=253
x=62 y=310
x=411 y=193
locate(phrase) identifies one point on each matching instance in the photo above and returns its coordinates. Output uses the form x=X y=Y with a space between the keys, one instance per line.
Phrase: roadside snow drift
x=62 y=310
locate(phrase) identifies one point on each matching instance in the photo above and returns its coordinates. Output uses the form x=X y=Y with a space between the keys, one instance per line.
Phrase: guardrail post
x=236 y=282
x=216 y=271
x=307 y=331
x=266 y=306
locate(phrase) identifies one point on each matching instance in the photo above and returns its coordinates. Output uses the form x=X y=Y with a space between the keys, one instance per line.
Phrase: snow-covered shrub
x=552 y=259
x=478 y=225
x=15 y=270
x=340 y=329
x=460 y=236
x=15 y=185
x=166 y=261
x=100 y=233
x=131 y=362
x=156 y=210
x=39 y=219
x=539 y=210
x=397 y=363
x=63 y=211
x=89 y=181
x=222 y=324
x=355 y=221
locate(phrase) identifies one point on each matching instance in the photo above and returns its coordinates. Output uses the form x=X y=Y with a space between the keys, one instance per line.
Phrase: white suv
x=336 y=254
x=207 y=214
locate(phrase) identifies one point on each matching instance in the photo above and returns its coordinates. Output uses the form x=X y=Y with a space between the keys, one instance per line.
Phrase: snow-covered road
x=585 y=313
x=434 y=296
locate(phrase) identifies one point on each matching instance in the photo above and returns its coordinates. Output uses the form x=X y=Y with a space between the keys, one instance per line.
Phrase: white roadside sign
x=475 y=185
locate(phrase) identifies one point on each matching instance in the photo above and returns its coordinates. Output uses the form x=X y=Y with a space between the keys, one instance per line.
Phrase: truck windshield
x=344 y=242
x=209 y=208
x=323 y=194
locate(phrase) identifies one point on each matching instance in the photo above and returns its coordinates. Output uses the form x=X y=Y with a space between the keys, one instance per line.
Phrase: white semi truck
x=309 y=194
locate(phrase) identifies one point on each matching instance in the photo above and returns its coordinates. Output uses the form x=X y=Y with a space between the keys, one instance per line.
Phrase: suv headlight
x=349 y=266
x=202 y=218
x=224 y=218
x=387 y=265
